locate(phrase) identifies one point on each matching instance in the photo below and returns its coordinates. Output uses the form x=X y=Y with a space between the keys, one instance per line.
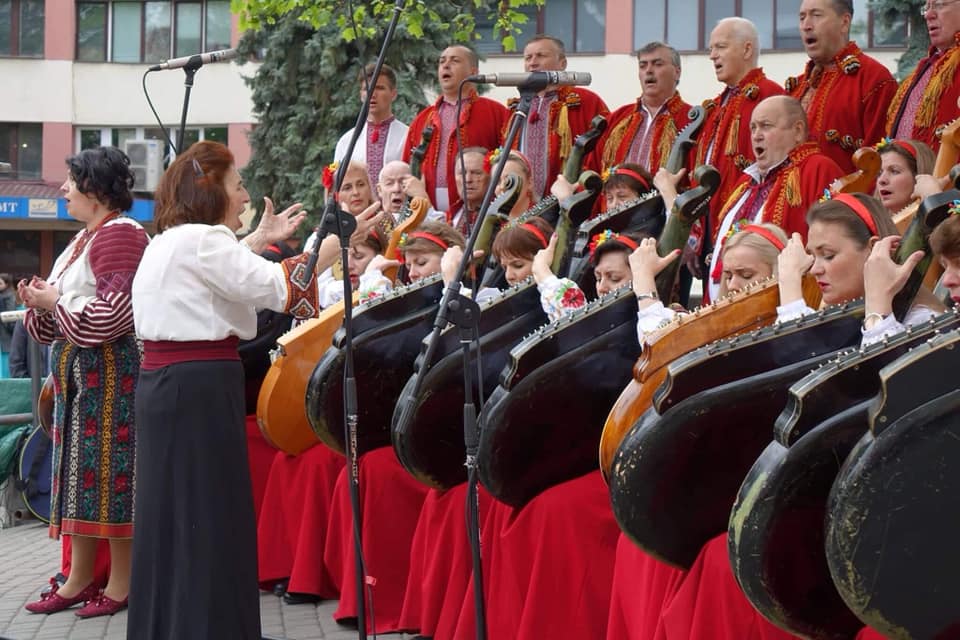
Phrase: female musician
x=901 y=161
x=625 y=182
x=517 y=165
x=515 y=246
x=194 y=571
x=83 y=310
x=421 y=249
x=945 y=242
x=844 y=232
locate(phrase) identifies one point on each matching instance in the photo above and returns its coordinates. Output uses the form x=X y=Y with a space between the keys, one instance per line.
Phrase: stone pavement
x=28 y=558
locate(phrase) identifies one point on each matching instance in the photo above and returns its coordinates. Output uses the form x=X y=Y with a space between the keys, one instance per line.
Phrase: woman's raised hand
x=883 y=278
x=543 y=260
x=279 y=227
x=366 y=220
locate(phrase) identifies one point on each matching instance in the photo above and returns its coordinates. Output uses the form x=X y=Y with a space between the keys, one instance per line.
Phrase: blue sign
x=56 y=209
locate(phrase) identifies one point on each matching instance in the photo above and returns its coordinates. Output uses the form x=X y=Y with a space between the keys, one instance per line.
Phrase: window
x=686 y=24
x=21 y=146
x=581 y=24
x=150 y=31
x=89 y=137
x=21 y=28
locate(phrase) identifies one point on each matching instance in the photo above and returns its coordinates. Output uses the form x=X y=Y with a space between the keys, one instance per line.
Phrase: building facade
x=72 y=75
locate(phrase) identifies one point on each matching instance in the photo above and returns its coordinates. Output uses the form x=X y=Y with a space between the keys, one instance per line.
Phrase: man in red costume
x=557 y=116
x=643 y=131
x=928 y=99
x=844 y=91
x=481 y=122
x=724 y=140
x=788 y=176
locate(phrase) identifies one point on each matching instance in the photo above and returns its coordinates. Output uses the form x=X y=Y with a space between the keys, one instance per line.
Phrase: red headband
x=765 y=234
x=532 y=229
x=437 y=240
x=909 y=148
x=622 y=171
x=606 y=236
x=858 y=209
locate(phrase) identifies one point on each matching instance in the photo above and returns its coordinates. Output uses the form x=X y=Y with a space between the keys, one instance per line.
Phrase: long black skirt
x=194 y=544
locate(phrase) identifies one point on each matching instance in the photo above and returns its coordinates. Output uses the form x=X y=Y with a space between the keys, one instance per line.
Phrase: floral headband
x=624 y=171
x=954 y=209
x=435 y=239
x=889 y=143
x=493 y=156
x=610 y=236
x=329 y=172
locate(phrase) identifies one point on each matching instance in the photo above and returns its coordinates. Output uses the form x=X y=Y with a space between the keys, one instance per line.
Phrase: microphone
x=536 y=80
x=196 y=61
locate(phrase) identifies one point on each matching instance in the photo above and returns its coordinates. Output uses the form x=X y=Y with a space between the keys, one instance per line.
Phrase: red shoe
x=101 y=605
x=51 y=602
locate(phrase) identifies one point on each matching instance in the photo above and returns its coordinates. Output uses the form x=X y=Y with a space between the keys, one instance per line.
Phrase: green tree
x=306 y=92
x=890 y=12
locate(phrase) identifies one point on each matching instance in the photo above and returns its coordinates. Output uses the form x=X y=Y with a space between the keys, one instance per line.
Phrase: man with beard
x=844 y=91
x=928 y=99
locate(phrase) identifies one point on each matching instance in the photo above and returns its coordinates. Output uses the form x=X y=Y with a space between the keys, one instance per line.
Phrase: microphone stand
x=189 y=71
x=464 y=312
x=343 y=224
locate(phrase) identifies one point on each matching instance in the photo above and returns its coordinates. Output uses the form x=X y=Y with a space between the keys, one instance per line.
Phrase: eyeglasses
x=936 y=6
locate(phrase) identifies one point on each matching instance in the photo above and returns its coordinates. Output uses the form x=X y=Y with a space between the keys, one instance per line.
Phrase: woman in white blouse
x=194 y=296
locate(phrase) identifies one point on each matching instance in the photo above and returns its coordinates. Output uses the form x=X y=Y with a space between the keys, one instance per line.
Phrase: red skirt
x=642 y=587
x=101 y=563
x=552 y=566
x=440 y=563
x=710 y=604
x=292 y=527
x=390 y=500
x=260 y=455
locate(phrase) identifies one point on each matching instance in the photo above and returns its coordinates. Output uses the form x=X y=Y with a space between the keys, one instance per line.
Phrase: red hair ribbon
x=437 y=240
x=622 y=171
x=532 y=229
x=765 y=234
x=606 y=236
x=859 y=209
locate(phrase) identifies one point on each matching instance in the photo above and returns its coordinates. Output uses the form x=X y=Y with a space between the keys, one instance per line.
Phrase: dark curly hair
x=104 y=173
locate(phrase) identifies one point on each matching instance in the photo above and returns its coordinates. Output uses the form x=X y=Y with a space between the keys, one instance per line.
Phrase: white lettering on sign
x=8 y=206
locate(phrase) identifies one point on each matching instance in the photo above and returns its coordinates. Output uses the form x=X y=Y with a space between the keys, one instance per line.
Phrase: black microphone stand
x=464 y=313
x=189 y=71
x=343 y=224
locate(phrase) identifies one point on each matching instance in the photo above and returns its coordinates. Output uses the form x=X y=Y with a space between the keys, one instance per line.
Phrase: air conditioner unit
x=146 y=162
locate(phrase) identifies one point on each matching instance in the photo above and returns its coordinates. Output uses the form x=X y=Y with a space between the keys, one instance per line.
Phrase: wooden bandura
x=281 y=413
x=752 y=308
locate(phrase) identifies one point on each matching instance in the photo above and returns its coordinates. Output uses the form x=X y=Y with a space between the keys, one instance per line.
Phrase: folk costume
x=634 y=135
x=927 y=100
x=724 y=139
x=378 y=144
x=481 y=124
x=95 y=364
x=781 y=197
x=846 y=104
x=390 y=500
x=556 y=119
x=194 y=297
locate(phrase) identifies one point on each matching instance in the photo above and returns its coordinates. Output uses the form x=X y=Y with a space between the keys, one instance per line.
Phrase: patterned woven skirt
x=93 y=438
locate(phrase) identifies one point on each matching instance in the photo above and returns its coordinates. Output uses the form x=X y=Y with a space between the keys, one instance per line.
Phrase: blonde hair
x=765 y=250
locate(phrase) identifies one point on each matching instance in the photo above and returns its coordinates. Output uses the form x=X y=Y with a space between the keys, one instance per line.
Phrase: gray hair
x=744 y=31
x=650 y=47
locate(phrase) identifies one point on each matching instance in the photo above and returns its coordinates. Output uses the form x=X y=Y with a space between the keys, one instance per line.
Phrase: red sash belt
x=161 y=353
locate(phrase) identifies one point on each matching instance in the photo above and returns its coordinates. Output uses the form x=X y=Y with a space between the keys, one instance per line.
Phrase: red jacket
x=625 y=123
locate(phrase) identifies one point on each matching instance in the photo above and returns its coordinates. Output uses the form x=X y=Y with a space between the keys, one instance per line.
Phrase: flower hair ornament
x=625 y=171
x=954 y=208
x=329 y=172
x=489 y=160
x=890 y=143
x=607 y=236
